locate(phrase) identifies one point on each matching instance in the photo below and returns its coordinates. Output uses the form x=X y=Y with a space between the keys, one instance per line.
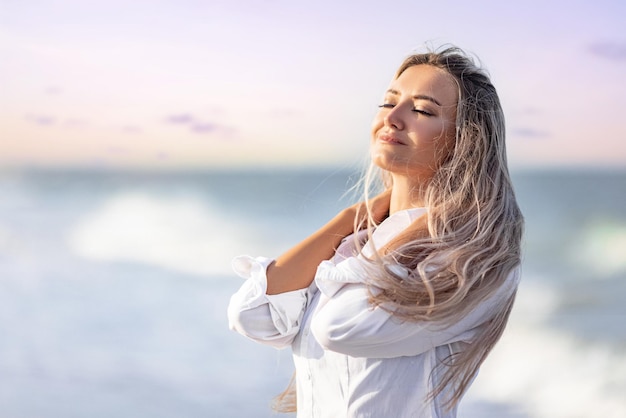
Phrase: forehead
x=428 y=80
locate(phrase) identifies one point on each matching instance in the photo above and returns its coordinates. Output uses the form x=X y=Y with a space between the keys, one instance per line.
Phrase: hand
x=296 y=268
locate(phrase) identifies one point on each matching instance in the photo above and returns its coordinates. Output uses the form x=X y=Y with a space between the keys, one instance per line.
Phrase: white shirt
x=351 y=359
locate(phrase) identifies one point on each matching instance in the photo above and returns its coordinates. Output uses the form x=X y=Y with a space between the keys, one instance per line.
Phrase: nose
x=394 y=119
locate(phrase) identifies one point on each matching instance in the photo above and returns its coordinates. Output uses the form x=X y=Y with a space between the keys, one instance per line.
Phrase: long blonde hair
x=469 y=242
x=463 y=250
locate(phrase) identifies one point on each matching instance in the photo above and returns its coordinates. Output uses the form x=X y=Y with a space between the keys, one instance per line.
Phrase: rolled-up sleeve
x=269 y=319
x=345 y=321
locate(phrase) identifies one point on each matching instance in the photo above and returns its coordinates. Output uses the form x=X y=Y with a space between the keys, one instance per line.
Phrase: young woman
x=392 y=306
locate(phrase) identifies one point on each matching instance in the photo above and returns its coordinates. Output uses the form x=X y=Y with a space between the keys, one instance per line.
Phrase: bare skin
x=414 y=131
x=296 y=268
x=411 y=134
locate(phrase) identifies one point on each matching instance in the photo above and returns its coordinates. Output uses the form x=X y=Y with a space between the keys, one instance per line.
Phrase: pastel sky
x=212 y=83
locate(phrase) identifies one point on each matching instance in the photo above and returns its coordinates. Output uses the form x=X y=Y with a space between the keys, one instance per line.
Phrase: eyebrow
x=417 y=97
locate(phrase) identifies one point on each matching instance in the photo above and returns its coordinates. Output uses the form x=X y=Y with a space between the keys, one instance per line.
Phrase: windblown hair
x=462 y=251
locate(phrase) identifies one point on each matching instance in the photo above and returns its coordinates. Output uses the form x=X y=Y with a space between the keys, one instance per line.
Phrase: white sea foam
x=548 y=373
x=5 y=240
x=602 y=248
x=535 y=300
x=182 y=234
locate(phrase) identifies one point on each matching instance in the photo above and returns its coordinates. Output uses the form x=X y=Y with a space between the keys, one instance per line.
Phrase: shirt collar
x=395 y=224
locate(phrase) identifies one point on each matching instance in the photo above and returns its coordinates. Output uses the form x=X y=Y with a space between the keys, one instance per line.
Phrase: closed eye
x=423 y=112
x=391 y=106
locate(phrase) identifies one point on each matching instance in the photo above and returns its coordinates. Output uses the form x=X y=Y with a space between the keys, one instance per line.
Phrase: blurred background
x=144 y=144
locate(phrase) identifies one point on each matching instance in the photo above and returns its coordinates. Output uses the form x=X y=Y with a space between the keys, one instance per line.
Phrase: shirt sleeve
x=345 y=321
x=269 y=319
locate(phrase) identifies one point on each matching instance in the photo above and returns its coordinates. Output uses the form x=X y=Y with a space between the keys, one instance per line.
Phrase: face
x=414 y=129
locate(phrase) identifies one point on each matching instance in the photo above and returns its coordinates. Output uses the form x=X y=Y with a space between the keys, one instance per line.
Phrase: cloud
x=530 y=111
x=204 y=128
x=52 y=91
x=529 y=133
x=221 y=131
x=53 y=121
x=41 y=120
x=180 y=119
x=200 y=126
x=614 y=51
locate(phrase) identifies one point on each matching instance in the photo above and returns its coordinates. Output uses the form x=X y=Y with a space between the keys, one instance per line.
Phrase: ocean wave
x=601 y=247
x=183 y=233
x=546 y=372
x=535 y=300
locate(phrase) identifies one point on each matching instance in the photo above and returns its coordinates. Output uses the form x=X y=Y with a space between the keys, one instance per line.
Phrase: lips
x=390 y=139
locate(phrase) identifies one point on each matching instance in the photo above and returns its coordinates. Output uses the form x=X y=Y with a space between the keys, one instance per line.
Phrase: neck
x=407 y=193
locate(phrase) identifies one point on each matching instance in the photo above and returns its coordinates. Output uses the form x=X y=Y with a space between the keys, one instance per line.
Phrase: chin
x=388 y=163
x=419 y=174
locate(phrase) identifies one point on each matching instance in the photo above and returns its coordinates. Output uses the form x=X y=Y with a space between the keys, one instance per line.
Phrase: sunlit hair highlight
x=467 y=245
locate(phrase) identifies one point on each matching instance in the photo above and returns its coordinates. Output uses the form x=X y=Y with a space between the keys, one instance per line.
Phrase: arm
x=296 y=268
x=347 y=323
x=268 y=307
x=268 y=319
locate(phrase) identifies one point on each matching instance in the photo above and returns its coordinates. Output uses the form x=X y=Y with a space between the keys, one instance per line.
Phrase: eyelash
x=391 y=106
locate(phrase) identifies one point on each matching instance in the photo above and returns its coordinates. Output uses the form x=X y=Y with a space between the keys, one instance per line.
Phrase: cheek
x=446 y=145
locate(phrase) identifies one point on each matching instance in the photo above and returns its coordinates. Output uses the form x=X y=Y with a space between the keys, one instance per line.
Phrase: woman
x=392 y=306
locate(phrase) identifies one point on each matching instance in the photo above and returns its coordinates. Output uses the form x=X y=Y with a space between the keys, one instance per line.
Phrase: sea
x=114 y=287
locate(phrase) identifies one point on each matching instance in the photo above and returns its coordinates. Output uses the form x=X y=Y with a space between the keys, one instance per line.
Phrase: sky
x=216 y=84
